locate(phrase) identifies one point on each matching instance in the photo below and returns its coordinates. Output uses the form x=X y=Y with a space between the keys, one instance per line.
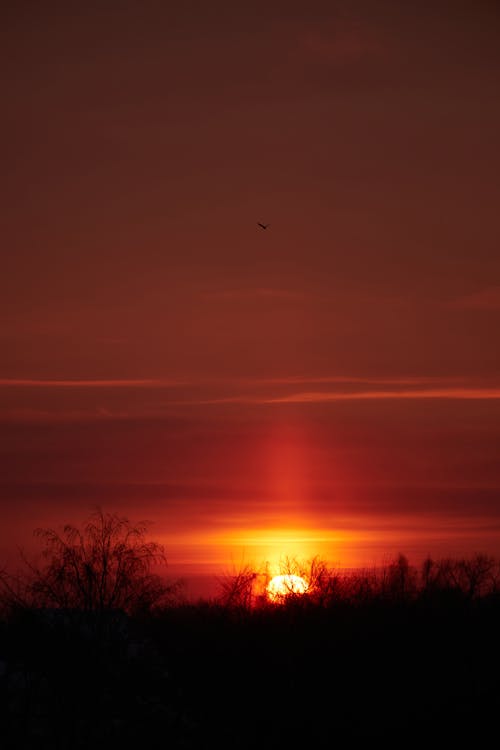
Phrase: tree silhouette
x=106 y=565
x=237 y=590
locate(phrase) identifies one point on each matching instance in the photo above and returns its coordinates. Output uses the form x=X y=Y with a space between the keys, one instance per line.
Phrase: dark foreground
x=201 y=676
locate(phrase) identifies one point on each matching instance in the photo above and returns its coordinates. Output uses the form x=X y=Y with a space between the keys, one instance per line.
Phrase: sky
x=329 y=385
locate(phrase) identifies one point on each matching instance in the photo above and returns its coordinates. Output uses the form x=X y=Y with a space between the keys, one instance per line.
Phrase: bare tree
x=236 y=590
x=428 y=575
x=402 y=577
x=322 y=582
x=477 y=575
x=13 y=591
x=105 y=565
x=398 y=579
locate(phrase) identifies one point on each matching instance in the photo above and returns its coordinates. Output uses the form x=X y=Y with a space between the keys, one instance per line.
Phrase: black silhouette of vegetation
x=105 y=566
x=97 y=651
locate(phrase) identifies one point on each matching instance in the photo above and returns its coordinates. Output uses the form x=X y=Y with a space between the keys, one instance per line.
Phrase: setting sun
x=283 y=586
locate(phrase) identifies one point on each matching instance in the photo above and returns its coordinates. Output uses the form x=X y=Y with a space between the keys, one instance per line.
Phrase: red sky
x=330 y=384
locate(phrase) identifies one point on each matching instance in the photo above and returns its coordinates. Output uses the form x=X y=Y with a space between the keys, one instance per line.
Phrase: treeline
x=97 y=651
x=469 y=578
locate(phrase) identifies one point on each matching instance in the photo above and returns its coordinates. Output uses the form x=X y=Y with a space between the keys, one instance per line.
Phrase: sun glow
x=282 y=586
x=273 y=545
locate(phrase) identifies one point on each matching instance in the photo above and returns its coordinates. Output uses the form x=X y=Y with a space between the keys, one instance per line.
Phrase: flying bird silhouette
x=264 y=226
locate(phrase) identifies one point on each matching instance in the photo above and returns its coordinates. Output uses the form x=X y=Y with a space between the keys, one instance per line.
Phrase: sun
x=283 y=586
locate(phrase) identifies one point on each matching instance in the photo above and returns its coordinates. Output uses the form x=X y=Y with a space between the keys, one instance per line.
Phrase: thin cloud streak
x=111 y=383
x=302 y=380
x=322 y=397
x=154 y=382
x=437 y=393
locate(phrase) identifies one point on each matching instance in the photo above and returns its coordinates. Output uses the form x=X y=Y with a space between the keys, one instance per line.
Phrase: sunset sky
x=329 y=385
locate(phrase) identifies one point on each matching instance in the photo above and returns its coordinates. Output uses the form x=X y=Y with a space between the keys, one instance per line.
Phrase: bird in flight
x=263 y=226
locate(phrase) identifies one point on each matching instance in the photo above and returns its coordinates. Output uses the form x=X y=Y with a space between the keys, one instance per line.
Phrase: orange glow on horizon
x=354 y=543
x=272 y=545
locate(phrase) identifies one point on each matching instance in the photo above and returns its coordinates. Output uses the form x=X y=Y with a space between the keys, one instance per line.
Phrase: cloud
x=91 y=383
x=160 y=383
x=323 y=397
x=46 y=400
x=304 y=379
x=411 y=394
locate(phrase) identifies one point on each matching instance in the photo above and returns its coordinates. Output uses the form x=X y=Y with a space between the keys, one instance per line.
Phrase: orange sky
x=330 y=384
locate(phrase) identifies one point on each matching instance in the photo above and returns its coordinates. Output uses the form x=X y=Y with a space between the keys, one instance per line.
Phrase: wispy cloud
x=164 y=382
x=354 y=379
x=429 y=393
x=91 y=383
x=318 y=397
x=80 y=399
